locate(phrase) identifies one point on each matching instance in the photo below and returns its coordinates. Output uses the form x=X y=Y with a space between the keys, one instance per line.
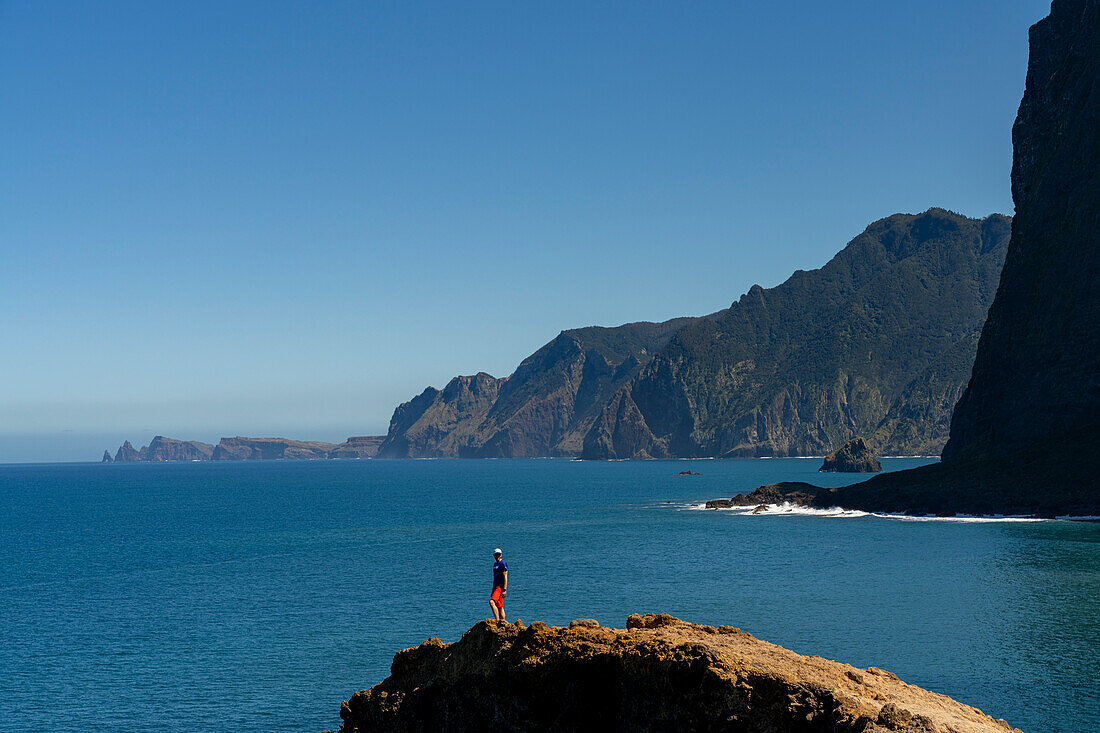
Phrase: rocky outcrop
x=855 y=456
x=784 y=492
x=543 y=409
x=161 y=449
x=878 y=342
x=1024 y=435
x=169 y=449
x=126 y=453
x=658 y=674
x=363 y=446
x=270 y=449
x=107 y=457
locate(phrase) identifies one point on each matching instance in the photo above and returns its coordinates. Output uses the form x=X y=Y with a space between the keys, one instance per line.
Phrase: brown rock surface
x=659 y=674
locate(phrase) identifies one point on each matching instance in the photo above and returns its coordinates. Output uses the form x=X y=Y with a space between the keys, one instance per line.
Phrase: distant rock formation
x=170 y=449
x=127 y=454
x=855 y=456
x=107 y=457
x=246 y=449
x=543 y=409
x=270 y=449
x=1024 y=435
x=362 y=446
x=658 y=674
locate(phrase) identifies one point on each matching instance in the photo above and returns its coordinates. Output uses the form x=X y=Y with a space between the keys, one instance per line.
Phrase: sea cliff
x=878 y=342
x=1025 y=434
x=658 y=674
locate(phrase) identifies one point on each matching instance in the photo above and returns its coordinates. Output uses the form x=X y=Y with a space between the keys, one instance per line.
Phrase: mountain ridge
x=568 y=398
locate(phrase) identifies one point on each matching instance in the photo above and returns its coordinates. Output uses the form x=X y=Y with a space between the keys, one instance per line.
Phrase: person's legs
x=496 y=612
x=497 y=602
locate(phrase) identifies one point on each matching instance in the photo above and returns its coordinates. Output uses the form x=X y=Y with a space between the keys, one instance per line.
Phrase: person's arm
x=504 y=588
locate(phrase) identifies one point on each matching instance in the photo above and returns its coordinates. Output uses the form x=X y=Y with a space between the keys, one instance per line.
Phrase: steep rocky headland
x=878 y=342
x=543 y=409
x=1025 y=436
x=245 y=449
x=161 y=448
x=855 y=456
x=658 y=674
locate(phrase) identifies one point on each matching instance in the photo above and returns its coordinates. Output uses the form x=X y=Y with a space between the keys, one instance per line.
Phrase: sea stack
x=855 y=456
x=107 y=457
x=658 y=674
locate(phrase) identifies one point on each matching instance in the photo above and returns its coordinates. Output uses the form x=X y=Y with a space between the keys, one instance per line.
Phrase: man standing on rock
x=500 y=586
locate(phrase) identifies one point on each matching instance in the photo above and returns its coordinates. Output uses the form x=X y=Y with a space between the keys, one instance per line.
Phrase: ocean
x=258 y=595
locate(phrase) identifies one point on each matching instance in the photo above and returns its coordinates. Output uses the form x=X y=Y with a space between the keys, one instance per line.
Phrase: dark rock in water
x=107 y=457
x=689 y=473
x=127 y=454
x=855 y=456
x=784 y=492
x=760 y=509
x=1024 y=435
x=658 y=674
x=269 y=449
x=365 y=446
x=878 y=342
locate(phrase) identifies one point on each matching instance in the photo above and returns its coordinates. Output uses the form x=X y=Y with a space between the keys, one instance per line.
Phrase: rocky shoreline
x=657 y=674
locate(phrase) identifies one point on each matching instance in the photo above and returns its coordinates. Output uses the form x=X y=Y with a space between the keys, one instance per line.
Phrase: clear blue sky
x=223 y=218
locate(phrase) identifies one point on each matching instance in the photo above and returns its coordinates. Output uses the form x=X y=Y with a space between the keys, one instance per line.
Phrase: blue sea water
x=230 y=596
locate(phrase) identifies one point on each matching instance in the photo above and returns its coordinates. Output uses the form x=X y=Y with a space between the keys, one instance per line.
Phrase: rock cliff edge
x=658 y=674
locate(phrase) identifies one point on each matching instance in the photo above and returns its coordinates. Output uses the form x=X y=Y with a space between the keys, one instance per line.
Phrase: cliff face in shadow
x=1037 y=371
x=543 y=409
x=1024 y=435
x=658 y=674
x=878 y=342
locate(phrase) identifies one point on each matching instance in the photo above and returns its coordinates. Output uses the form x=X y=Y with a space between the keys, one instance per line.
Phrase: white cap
x=497 y=552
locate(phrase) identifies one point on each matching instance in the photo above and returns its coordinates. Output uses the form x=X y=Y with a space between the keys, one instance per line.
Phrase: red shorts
x=497 y=597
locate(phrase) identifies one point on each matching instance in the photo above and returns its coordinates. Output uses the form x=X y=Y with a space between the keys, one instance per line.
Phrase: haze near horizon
x=263 y=219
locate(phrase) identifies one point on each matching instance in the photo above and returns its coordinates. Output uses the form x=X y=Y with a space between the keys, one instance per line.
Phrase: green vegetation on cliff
x=543 y=409
x=878 y=342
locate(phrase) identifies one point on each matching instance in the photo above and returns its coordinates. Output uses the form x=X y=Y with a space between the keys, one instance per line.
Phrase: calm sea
x=230 y=596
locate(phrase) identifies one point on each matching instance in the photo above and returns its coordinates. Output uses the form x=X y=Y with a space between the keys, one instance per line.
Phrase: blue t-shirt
x=499 y=569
